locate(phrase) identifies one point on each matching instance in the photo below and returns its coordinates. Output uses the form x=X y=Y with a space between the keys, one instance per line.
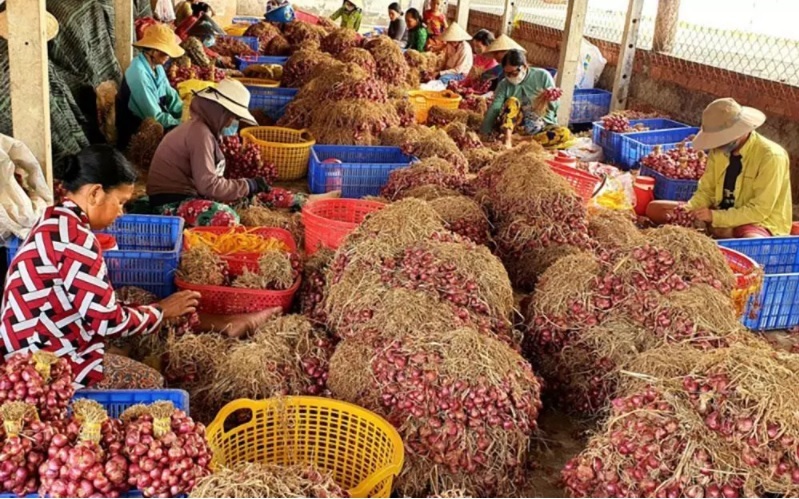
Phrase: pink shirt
x=483 y=63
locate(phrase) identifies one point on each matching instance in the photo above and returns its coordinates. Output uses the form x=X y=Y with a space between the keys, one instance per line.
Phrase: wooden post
x=30 y=85
x=570 y=56
x=666 y=24
x=462 y=14
x=507 y=18
x=123 y=32
x=624 y=69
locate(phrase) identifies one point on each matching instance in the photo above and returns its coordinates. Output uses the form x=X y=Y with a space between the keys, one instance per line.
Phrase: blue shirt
x=151 y=96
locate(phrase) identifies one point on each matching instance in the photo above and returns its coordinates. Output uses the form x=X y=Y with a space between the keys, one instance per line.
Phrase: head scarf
x=211 y=113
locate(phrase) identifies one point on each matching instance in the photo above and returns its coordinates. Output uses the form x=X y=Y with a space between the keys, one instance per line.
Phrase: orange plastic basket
x=238 y=261
x=423 y=100
x=585 y=184
x=288 y=149
x=224 y=300
x=748 y=278
x=328 y=221
x=362 y=450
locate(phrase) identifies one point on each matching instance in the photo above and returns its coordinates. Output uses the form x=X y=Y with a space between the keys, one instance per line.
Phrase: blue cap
x=282 y=14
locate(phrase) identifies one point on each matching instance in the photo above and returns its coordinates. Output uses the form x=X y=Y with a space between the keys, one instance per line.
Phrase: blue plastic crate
x=635 y=146
x=777 y=306
x=148 y=255
x=670 y=189
x=611 y=141
x=589 y=105
x=116 y=401
x=251 y=41
x=248 y=60
x=363 y=170
x=272 y=101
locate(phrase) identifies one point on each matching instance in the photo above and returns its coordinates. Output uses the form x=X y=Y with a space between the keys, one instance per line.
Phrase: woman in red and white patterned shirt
x=58 y=297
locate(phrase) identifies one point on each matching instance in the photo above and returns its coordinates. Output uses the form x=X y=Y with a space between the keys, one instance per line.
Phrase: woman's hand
x=180 y=304
x=258 y=185
x=704 y=215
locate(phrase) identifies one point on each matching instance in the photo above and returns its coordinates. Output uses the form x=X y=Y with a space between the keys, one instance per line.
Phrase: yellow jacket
x=762 y=191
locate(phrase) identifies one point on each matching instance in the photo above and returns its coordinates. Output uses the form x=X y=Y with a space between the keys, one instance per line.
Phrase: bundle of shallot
x=24 y=448
x=81 y=466
x=167 y=450
x=682 y=162
x=40 y=379
x=244 y=160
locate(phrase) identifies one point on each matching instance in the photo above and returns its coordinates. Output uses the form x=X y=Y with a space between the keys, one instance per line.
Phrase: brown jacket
x=189 y=161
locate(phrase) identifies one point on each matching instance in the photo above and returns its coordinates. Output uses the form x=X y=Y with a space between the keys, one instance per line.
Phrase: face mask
x=515 y=80
x=209 y=42
x=231 y=130
x=349 y=7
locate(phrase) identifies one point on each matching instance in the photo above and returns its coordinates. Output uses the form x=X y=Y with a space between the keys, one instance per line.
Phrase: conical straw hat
x=455 y=33
x=503 y=44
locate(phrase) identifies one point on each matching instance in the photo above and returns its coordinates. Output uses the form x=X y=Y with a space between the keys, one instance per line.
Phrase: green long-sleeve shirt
x=151 y=96
x=349 y=19
x=536 y=80
x=417 y=39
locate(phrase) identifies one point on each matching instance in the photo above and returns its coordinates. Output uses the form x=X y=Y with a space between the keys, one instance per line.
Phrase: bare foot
x=327 y=195
x=237 y=326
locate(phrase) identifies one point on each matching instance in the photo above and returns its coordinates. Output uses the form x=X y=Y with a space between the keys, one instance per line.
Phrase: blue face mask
x=231 y=130
x=209 y=42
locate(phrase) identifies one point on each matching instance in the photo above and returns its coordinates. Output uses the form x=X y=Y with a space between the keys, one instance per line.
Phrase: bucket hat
x=231 y=95
x=161 y=37
x=724 y=121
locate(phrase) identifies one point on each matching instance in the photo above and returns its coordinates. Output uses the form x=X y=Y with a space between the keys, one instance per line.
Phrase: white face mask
x=515 y=80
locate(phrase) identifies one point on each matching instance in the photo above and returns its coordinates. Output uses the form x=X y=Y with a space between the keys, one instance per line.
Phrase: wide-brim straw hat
x=51 y=25
x=233 y=96
x=454 y=33
x=161 y=37
x=503 y=44
x=725 y=121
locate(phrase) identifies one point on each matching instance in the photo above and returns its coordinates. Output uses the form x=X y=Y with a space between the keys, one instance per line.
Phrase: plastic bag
x=19 y=210
x=164 y=11
x=585 y=150
x=592 y=63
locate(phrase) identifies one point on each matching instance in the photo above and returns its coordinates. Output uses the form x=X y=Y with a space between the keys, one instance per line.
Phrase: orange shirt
x=436 y=23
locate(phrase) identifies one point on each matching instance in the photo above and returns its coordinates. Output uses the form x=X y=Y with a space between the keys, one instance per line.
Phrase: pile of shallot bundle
x=244 y=160
x=167 y=450
x=441 y=116
x=682 y=162
x=424 y=142
x=304 y=65
x=717 y=423
x=286 y=356
x=463 y=216
x=392 y=68
x=340 y=40
x=537 y=215
x=314 y=282
x=361 y=57
x=465 y=139
x=40 y=379
x=419 y=254
x=464 y=403
x=652 y=293
x=24 y=447
x=232 y=47
x=302 y=34
x=479 y=158
x=435 y=172
x=86 y=461
x=264 y=31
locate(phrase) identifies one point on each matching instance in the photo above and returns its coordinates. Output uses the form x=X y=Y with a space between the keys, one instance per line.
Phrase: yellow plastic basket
x=288 y=149
x=236 y=29
x=423 y=100
x=257 y=82
x=362 y=450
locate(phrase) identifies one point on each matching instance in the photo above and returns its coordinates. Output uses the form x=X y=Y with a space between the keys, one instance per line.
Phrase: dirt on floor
x=560 y=438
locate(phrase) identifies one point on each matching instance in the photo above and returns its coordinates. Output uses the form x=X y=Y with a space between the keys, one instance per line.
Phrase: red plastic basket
x=224 y=300
x=328 y=221
x=585 y=184
x=238 y=261
x=748 y=277
x=306 y=17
